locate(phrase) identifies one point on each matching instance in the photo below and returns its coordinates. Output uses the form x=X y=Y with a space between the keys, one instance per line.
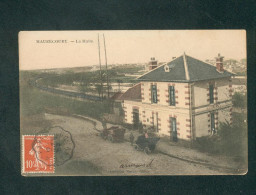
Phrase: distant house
x=184 y=98
x=95 y=68
x=239 y=85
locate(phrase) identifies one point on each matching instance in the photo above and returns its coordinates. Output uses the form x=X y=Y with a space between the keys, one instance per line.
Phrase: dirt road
x=95 y=156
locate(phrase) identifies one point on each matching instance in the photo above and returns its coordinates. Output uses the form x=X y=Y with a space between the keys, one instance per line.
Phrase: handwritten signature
x=136 y=165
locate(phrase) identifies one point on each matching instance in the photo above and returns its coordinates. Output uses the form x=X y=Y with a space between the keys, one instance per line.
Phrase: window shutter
x=211 y=93
x=154 y=93
x=172 y=95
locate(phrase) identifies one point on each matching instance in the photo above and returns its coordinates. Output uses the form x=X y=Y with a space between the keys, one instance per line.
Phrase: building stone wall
x=222 y=91
x=152 y=115
x=181 y=93
x=201 y=125
x=200 y=94
x=224 y=87
x=200 y=108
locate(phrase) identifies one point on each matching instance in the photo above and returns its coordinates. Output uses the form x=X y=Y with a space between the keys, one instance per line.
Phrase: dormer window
x=166 y=68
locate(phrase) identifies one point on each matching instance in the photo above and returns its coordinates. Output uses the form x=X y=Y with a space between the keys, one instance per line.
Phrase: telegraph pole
x=100 y=68
x=106 y=64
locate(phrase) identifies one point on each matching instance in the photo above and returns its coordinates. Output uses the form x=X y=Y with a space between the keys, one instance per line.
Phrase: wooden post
x=106 y=64
x=100 y=68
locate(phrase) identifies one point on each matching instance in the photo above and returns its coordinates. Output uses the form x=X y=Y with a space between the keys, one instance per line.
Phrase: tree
x=239 y=100
x=243 y=61
x=99 y=89
x=119 y=81
x=83 y=88
x=230 y=140
x=233 y=138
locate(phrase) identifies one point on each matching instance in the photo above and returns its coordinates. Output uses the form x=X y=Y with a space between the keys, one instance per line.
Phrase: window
x=157 y=122
x=172 y=95
x=211 y=94
x=173 y=131
x=166 y=68
x=212 y=123
x=153 y=94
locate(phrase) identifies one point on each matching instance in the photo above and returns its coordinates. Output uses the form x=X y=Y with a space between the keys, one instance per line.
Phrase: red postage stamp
x=38 y=154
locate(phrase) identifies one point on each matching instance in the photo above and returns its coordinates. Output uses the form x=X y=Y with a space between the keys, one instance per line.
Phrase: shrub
x=231 y=140
x=127 y=125
x=239 y=100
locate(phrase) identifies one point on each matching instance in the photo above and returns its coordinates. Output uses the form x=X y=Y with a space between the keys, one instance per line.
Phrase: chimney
x=152 y=64
x=219 y=63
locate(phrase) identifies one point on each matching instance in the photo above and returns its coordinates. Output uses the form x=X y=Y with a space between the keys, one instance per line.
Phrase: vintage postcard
x=119 y=103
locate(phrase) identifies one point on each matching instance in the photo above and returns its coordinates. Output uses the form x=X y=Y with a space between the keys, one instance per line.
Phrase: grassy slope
x=34 y=101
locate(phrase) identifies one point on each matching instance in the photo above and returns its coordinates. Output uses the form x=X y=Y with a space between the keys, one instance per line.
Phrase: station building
x=185 y=98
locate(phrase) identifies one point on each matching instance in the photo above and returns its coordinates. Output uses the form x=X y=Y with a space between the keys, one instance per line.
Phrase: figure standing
x=36 y=152
x=146 y=134
x=104 y=124
x=131 y=138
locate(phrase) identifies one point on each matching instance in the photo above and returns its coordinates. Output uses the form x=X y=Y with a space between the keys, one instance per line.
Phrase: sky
x=125 y=46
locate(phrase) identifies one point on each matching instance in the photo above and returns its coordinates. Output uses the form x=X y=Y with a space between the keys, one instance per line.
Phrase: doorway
x=136 y=119
x=157 y=128
x=213 y=129
x=155 y=125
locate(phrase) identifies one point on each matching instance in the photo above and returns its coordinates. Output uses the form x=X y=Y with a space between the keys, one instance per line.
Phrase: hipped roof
x=184 y=69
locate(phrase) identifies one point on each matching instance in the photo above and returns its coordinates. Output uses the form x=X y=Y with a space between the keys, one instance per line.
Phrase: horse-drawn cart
x=113 y=134
x=147 y=145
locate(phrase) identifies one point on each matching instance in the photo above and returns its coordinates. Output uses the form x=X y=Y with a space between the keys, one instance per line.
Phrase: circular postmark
x=64 y=144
